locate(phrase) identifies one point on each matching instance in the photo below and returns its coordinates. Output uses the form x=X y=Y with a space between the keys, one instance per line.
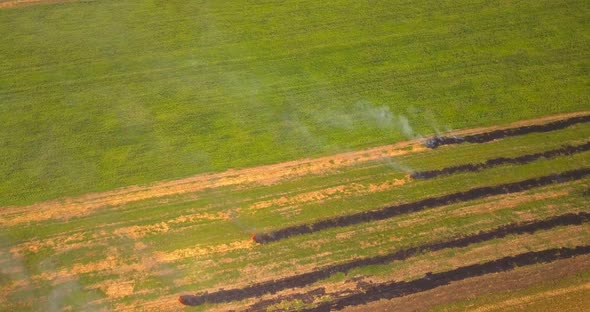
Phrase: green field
x=97 y=95
x=101 y=94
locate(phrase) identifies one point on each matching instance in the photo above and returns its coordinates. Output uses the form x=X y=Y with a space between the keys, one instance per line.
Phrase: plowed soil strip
x=502 y=133
x=520 y=160
x=431 y=281
x=309 y=278
x=432 y=202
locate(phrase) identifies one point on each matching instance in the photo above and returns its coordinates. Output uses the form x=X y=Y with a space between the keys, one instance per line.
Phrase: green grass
x=102 y=94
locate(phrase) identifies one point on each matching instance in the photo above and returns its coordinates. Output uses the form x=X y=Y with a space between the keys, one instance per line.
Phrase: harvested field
x=312 y=277
x=389 y=212
x=489 y=253
x=503 y=133
x=398 y=289
x=569 y=303
x=547 y=275
x=357 y=286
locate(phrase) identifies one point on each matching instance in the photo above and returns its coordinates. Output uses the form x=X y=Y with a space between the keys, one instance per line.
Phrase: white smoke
x=301 y=133
x=335 y=119
x=377 y=116
x=428 y=117
x=364 y=114
x=66 y=288
x=389 y=162
x=404 y=124
x=60 y=293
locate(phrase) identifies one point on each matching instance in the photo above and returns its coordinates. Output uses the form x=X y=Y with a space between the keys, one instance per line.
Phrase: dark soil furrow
x=399 y=289
x=499 y=134
x=309 y=278
x=520 y=160
x=432 y=202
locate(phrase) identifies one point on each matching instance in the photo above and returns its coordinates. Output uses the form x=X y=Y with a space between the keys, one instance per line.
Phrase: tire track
x=430 y=281
x=305 y=279
x=502 y=133
x=520 y=160
x=432 y=202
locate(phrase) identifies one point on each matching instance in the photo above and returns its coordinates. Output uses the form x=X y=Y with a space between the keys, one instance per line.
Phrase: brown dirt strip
x=112 y=263
x=20 y=3
x=309 y=278
x=473 y=287
x=137 y=231
x=200 y=251
x=391 y=290
x=335 y=192
x=432 y=202
x=520 y=160
x=262 y=175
